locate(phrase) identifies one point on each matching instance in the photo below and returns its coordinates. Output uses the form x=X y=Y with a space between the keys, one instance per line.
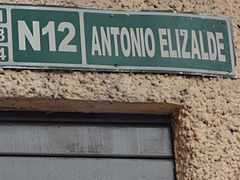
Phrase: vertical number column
x=3 y=36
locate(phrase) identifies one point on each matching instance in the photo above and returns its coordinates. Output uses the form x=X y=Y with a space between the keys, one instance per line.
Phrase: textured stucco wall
x=207 y=136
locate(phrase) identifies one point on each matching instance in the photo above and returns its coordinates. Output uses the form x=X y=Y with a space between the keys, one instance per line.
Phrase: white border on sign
x=12 y=64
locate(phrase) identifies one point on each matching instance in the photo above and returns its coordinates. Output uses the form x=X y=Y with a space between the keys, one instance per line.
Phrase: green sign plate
x=118 y=41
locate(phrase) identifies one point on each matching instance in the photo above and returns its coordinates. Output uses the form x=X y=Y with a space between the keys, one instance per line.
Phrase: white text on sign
x=34 y=37
x=140 y=42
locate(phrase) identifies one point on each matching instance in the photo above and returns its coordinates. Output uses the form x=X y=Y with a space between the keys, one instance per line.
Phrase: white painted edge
x=119 y=68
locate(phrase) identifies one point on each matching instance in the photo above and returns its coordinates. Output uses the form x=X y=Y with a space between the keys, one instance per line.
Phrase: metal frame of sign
x=112 y=68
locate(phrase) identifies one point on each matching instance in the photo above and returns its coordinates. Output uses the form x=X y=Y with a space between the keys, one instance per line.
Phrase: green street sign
x=44 y=36
x=118 y=41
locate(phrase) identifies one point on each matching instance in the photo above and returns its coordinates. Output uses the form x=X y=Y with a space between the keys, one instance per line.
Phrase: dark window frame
x=106 y=119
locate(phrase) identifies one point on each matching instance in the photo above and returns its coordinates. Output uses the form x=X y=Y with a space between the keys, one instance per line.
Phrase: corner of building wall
x=179 y=141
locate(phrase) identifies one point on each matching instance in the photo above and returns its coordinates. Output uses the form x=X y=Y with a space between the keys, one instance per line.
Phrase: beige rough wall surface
x=207 y=137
